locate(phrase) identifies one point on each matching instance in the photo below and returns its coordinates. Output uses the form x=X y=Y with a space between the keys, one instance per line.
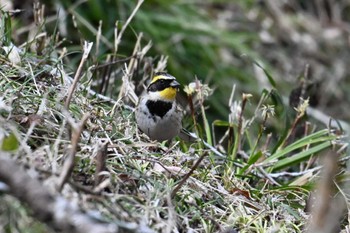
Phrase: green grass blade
x=269 y=77
x=252 y=159
x=221 y=123
x=308 y=140
x=304 y=155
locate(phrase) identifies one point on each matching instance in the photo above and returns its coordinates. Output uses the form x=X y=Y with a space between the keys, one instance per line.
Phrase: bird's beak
x=175 y=84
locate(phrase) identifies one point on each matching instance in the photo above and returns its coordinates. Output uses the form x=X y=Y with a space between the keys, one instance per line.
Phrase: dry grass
x=117 y=174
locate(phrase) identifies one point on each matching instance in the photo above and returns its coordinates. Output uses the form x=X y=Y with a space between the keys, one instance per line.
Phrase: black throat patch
x=159 y=108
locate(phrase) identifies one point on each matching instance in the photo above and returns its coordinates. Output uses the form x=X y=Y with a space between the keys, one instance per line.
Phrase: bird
x=157 y=113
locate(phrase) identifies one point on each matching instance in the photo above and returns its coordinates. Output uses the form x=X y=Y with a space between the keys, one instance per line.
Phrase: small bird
x=157 y=113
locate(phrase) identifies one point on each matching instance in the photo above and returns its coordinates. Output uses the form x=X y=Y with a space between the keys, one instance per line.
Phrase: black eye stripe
x=159 y=85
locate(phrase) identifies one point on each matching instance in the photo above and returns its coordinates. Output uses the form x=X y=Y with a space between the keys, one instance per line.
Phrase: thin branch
x=100 y=160
x=87 y=49
x=119 y=37
x=113 y=62
x=194 y=167
x=267 y=176
x=69 y=162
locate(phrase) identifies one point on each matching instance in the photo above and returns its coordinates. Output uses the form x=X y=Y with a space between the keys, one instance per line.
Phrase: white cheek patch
x=154 y=95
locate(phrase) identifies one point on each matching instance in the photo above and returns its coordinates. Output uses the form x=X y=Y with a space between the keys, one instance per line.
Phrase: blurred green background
x=219 y=42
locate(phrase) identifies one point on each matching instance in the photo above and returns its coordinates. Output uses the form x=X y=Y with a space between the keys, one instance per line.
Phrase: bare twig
x=194 y=167
x=100 y=159
x=69 y=163
x=301 y=111
x=122 y=60
x=119 y=36
x=294 y=174
x=267 y=176
x=86 y=51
